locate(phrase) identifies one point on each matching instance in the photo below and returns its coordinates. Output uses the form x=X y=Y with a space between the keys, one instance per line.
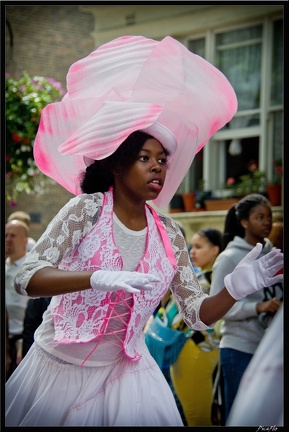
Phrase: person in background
x=198 y=358
x=232 y=228
x=107 y=258
x=241 y=330
x=206 y=245
x=32 y=320
x=24 y=217
x=7 y=349
x=16 y=236
x=276 y=236
x=260 y=397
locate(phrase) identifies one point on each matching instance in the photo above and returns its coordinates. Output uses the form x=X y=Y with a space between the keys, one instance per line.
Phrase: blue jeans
x=233 y=365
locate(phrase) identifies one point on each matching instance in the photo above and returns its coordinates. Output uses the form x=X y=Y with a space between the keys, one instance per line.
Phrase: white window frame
x=214 y=152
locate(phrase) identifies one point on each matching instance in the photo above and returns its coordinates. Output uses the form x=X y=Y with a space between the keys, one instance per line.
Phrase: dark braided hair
x=99 y=176
x=214 y=236
x=238 y=212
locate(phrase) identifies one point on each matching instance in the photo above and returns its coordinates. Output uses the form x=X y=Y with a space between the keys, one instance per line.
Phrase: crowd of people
x=17 y=243
x=16 y=237
x=235 y=337
x=197 y=360
x=247 y=223
x=241 y=331
x=108 y=259
x=23 y=314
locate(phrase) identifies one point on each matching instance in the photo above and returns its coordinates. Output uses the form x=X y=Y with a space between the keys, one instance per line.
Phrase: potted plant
x=252 y=182
x=273 y=188
x=25 y=98
x=201 y=195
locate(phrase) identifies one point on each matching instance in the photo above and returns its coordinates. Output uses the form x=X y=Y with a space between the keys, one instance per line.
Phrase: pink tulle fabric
x=129 y=84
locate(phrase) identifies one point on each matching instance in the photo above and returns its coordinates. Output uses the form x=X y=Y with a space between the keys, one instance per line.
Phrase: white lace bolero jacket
x=76 y=219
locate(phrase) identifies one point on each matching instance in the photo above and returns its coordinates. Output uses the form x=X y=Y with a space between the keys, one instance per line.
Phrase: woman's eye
x=163 y=161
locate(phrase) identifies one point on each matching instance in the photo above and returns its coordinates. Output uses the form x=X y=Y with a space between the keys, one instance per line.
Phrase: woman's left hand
x=252 y=274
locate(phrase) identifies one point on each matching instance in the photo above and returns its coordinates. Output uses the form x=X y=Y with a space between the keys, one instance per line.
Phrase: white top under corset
x=131 y=245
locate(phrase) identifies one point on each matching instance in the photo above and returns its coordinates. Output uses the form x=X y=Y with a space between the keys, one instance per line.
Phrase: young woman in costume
x=124 y=135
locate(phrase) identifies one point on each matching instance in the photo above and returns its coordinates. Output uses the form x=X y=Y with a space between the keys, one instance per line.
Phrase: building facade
x=244 y=41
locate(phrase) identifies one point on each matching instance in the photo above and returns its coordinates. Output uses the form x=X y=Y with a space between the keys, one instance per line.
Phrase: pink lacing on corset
x=115 y=300
x=84 y=317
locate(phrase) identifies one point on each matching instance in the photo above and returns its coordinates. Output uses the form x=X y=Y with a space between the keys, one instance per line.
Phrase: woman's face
x=203 y=253
x=259 y=224
x=145 y=178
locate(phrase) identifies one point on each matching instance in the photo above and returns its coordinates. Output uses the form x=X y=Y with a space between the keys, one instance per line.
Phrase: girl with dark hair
x=232 y=227
x=206 y=245
x=247 y=223
x=196 y=362
x=108 y=257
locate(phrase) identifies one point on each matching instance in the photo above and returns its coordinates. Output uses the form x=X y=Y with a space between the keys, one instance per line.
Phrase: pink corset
x=83 y=316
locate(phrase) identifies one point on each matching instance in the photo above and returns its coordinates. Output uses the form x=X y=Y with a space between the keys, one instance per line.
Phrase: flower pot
x=274 y=194
x=220 y=204
x=189 y=201
x=200 y=197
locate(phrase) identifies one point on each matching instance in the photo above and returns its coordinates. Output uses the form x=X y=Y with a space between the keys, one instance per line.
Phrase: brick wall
x=46 y=40
x=41 y=208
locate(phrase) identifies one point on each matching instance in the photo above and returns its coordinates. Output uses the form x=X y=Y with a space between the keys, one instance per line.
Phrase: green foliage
x=252 y=182
x=25 y=100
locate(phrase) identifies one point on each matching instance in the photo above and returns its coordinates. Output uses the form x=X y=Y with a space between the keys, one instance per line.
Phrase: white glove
x=251 y=275
x=107 y=280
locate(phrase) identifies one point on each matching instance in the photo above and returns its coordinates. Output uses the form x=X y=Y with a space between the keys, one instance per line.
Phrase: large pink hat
x=133 y=83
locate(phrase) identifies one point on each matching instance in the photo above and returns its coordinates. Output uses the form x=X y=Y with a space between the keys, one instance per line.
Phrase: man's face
x=15 y=239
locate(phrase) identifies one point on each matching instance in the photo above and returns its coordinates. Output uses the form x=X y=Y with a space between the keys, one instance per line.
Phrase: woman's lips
x=155 y=185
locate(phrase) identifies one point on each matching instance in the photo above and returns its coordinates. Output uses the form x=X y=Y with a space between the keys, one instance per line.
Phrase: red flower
x=230 y=180
x=16 y=138
x=253 y=167
x=279 y=170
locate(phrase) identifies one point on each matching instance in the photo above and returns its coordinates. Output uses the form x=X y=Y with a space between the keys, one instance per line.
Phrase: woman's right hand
x=106 y=280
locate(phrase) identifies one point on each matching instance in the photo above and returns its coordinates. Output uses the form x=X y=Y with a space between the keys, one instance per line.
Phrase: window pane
x=197 y=46
x=277 y=64
x=238 y=56
x=277 y=155
x=195 y=174
x=237 y=36
x=237 y=165
x=277 y=134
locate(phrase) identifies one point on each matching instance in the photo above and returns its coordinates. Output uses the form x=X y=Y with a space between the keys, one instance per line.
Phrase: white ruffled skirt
x=46 y=392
